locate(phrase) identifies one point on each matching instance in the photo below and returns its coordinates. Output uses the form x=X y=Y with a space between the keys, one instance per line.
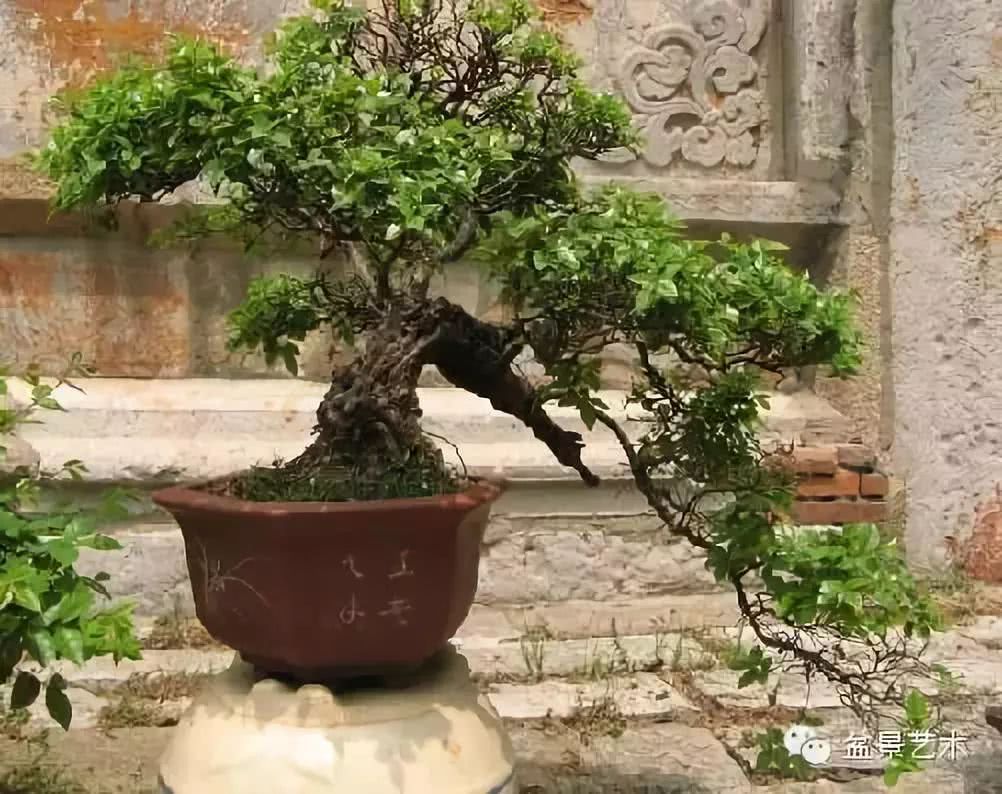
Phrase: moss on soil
x=280 y=483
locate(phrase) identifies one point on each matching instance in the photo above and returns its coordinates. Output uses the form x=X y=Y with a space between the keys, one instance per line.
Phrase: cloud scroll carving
x=693 y=84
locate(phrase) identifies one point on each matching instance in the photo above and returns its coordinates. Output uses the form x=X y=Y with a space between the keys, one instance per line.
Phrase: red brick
x=815 y=460
x=874 y=485
x=842 y=483
x=856 y=456
x=839 y=512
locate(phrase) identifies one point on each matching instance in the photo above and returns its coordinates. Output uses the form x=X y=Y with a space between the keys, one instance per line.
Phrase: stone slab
x=101 y=676
x=937 y=781
x=732 y=201
x=17 y=457
x=547 y=566
x=986 y=630
x=150 y=570
x=793 y=692
x=593 y=661
x=576 y=618
x=643 y=695
x=972 y=655
x=665 y=758
x=583 y=619
x=533 y=656
x=168 y=430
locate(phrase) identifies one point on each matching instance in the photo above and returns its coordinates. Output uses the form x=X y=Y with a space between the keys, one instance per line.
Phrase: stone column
x=946 y=264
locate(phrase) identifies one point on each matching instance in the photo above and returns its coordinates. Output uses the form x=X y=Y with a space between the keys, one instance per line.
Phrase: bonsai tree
x=408 y=138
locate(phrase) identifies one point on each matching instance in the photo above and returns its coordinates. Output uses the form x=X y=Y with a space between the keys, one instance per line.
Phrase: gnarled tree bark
x=370 y=417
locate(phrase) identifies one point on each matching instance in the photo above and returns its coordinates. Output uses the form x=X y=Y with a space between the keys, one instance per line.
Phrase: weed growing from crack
x=39 y=775
x=600 y=718
x=532 y=644
x=142 y=700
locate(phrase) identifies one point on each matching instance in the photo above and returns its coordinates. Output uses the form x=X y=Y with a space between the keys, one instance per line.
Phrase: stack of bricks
x=838 y=484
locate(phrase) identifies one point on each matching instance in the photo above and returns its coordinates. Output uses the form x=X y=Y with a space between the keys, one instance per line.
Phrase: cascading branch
x=420 y=134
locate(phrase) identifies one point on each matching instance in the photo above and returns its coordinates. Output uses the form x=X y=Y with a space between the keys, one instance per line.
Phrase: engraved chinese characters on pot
x=693 y=76
x=394 y=606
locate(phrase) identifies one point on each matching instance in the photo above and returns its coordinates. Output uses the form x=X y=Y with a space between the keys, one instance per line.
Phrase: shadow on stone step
x=535 y=779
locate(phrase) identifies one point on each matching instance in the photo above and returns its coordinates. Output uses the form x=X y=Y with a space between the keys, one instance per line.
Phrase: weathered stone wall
x=48 y=44
x=946 y=263
x=848 y=130
x=705 y=82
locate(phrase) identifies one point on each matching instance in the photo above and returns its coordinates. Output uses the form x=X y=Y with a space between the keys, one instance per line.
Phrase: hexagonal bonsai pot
x=326 y=590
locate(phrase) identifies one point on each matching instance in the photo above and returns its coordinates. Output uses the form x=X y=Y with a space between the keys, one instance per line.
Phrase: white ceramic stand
x=437 y=735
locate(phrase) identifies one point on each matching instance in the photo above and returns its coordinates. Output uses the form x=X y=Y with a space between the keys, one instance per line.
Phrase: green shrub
x=48 y=611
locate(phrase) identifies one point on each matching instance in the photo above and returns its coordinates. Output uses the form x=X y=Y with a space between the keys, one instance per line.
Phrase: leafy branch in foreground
x=49 y=611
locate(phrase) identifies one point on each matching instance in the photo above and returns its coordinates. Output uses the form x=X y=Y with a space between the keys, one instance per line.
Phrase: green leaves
x=10 y=654
x=39 y=644
x=72 y=606
x=57 y=703
x=48 y=610
x=917 y=712
x=617 y=261
x=375 y=149
x=755 y=665
x=773 y=757
x=572 y=384
x=25 y=690
x=277 y=312
x=110 y=633
x=850 y=579
x=916 y=722
x=68 y=643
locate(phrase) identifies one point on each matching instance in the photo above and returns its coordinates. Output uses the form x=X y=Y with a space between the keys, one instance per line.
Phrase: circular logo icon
x=804 y=741
x=796 y=736
x=816 y=751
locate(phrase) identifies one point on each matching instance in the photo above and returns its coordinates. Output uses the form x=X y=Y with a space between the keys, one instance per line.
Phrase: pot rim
x=191 y=497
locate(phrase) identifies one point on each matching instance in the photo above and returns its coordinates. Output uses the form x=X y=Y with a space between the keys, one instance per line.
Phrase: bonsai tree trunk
x=369 y=419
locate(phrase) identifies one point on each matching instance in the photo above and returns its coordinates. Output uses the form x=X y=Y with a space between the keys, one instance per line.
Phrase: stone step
x=170 y=678
x=164 y=430
x=576 y=619
x=595 y=714
x=531 y=673
x=524 y=497
x=500 y=664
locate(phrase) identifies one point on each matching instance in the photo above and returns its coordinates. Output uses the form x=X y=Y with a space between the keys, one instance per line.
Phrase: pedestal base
x=436 y=736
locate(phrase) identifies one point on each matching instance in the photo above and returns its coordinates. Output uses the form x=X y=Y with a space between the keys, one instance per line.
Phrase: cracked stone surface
x=638 y=696
x=793 y=691
x=667 y=718
x=663 y=758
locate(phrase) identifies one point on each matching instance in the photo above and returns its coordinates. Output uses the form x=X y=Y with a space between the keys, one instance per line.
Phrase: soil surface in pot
x=288 y=483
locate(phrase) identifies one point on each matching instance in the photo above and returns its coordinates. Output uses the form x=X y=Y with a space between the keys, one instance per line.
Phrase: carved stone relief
x=692 y=72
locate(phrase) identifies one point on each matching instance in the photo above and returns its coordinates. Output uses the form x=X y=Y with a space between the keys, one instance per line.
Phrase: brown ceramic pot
x=321 y=590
